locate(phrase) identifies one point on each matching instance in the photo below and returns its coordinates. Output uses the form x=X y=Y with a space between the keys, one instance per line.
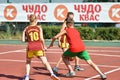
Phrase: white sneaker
x=54 y=77
x=78 y=68
x=103 y=77
x=70 y=74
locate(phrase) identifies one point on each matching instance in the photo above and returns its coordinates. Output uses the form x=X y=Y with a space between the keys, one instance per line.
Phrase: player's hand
x=59 y=41
x=51 y=45
x=45 y=48
x=59 y=44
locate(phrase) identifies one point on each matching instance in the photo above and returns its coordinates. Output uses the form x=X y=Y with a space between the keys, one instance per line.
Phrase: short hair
x=69 y=21
x=69 y=13
x=32 y=18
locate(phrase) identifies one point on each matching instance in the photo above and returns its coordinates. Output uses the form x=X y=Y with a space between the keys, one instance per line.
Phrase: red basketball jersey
x=74 y=39
x=33 y=37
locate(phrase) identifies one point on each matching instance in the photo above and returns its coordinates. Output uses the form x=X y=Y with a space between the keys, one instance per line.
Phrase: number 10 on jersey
x=34 y=36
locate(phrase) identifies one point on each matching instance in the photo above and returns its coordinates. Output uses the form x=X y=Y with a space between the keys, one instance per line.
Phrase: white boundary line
x=59 y=52
x=95 y=54
x=104 y=50
x=108 y=55
x=111 y=71
x=12 y=51
x=12 y=60
x=91 y=50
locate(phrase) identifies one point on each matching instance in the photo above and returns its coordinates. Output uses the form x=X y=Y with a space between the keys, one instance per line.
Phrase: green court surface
x=87 y=42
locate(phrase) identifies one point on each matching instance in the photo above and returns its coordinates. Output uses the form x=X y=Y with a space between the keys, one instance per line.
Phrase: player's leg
x=63 y=49
x=41 y=55
x=27 y=69
x=47 y=65
x=45 y=62
x=84 y=55
x=65 y=59
x=77 y=65
x=95 y=67
x=55 y=69
x=28 y=62
x=67 y=63
x=58 y=63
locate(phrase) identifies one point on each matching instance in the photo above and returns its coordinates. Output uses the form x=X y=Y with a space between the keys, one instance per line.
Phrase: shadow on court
x=11 y=76
x=39 y=68
x=39 y=71
x=58 y=74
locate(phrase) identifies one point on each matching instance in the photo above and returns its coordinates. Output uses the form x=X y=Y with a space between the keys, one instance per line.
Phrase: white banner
x=56 y=12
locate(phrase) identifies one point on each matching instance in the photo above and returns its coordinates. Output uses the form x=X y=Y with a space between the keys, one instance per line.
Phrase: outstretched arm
x=23 y=36
x=59 y=41
x=57 y=36
x=63 y=26
x=42 y=39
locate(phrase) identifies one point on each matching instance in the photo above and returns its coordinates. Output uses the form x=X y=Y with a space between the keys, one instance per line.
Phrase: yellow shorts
x=38 y=53
x=64 y=45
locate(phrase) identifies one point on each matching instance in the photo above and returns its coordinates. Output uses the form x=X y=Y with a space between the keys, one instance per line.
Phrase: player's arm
x=63 y=26
x=57 y=36
x=59 y=42
x=41 y=38
x=23 y=35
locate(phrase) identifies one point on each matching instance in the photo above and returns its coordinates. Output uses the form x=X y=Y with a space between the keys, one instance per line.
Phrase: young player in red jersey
x=64 y=45
x=76 y=48
x=36 y=46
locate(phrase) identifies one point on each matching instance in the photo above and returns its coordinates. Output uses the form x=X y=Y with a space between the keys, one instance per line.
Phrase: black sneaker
x=55 y=70
x=78 y=68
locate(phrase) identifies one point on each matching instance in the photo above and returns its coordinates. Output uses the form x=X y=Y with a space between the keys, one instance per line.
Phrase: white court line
x=11 y=51
x=111 y=71
x=104 y=50
x=108 y=55
x=96 y=54
x=60 y=52
x=12 y=60
x=91 y=50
